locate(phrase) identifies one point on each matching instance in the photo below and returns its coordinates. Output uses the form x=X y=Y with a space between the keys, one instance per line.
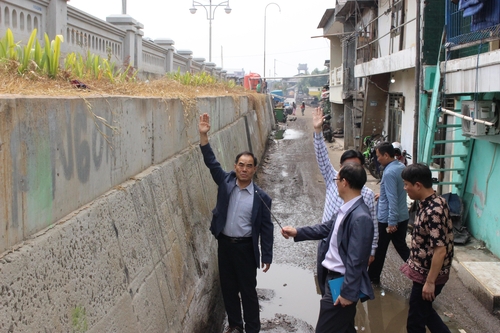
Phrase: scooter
x=327 y=128
x=401 y=154
x=371 y=162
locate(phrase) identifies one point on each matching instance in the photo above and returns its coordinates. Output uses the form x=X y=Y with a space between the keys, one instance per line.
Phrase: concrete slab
x=483 y=280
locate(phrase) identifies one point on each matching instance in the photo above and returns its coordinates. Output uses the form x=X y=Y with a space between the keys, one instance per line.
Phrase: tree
x=318 y=81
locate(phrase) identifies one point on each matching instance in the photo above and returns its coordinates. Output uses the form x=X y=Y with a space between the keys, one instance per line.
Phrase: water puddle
x=292 y=134
x=296 y=294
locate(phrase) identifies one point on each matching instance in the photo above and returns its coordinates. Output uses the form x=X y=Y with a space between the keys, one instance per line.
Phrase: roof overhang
x=327 y=16
x=346 y=9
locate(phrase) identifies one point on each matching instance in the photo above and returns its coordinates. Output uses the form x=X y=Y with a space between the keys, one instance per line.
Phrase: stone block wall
x=127 y=250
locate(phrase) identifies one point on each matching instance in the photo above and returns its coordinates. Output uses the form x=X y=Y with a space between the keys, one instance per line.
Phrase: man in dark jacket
x=349 y=236
x=241 y=215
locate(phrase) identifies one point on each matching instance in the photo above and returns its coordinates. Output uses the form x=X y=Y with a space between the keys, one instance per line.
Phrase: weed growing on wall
x=95 y=67
x=37 y=70
x=33 y=58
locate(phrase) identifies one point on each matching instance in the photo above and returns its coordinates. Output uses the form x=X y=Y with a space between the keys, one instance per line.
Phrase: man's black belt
x=235 y=240
x=333 y=273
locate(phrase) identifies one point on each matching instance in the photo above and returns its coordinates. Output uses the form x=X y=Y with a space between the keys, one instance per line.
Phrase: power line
x=260 y=54
x=304 y=76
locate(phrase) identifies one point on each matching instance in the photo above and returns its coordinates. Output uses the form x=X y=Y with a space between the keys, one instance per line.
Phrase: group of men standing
x=354 y=234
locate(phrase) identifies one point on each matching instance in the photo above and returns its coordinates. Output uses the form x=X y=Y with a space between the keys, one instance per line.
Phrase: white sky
x=237 y=38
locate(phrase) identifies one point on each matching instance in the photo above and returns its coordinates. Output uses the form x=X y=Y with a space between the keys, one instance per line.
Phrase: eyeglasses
x=337 y=178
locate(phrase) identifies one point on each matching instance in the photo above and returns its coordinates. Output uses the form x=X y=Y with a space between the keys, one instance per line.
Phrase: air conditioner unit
x=483 y=112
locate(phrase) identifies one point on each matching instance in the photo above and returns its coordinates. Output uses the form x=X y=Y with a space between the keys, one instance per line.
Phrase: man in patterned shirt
x=431 y=250
x=333 y=201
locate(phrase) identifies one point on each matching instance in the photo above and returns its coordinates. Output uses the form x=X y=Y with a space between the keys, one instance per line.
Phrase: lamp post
x=210 y=9
x=265 y=22
x=124 y=7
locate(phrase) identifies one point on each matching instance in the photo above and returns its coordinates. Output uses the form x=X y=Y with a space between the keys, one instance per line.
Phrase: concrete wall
x=470 y=74
x=113 y=236
x=405 y=84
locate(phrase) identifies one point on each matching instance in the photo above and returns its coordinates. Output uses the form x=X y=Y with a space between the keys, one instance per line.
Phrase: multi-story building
x=411 y=69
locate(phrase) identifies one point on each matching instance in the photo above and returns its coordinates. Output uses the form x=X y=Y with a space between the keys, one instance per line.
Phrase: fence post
x=218 y=72
x=169 y=58
x=189 y=55
x=202 y=62
x=210 y=68
x=127 y=23
x=138 y=45
x=56 y=23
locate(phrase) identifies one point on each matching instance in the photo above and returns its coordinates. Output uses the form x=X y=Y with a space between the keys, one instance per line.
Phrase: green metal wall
x=482 y=193
x=434 y=14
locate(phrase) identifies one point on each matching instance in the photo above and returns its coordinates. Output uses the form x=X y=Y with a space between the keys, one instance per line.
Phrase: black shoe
x=234 y=329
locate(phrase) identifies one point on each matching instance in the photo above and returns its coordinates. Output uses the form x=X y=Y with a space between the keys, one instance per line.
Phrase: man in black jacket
x=349 y=237
x=240 y=217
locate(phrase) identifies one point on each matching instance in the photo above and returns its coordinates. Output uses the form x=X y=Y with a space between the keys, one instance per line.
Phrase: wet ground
x=288 y=291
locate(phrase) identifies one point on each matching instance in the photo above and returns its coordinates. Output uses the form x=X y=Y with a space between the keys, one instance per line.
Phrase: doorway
x=396 y=107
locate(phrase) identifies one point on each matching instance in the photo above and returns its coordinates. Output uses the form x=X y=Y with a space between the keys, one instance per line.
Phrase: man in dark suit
x=240 y=217
x=349 y=235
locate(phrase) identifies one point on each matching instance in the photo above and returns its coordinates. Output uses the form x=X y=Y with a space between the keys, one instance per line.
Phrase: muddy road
x=288 y=291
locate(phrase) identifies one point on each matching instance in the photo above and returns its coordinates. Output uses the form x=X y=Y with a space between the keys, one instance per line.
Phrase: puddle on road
x=296 y=295
x=292 y=134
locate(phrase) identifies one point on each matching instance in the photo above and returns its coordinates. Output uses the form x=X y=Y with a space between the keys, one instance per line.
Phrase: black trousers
x=238 y=276
x=332 y=318
x=421 y=312
x=398 y=239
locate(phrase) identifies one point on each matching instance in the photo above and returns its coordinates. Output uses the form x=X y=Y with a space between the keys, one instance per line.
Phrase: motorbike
x=327 y=128
x=371 y=162
x=326 y=108
x=401 y=154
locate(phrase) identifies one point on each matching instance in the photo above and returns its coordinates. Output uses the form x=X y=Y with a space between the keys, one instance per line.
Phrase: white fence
x=119 y=37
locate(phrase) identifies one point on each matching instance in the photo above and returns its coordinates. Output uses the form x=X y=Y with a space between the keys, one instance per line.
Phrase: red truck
x=251 y=80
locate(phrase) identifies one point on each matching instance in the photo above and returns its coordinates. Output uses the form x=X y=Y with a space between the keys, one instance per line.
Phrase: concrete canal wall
x=105 y=208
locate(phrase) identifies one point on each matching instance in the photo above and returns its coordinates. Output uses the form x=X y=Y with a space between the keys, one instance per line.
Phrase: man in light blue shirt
x=392 y=210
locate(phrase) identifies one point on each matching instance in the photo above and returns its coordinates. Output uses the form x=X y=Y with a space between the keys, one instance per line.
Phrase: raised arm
x=204 y=127
x=325 y=166
x=218 y=174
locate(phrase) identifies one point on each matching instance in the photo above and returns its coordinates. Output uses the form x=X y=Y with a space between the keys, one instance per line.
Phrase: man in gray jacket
x=349 y=235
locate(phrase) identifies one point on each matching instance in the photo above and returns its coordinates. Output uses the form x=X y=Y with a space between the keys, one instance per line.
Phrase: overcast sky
x=238 y=37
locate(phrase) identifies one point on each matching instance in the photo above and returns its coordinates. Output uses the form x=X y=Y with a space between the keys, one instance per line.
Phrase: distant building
x=302 y=69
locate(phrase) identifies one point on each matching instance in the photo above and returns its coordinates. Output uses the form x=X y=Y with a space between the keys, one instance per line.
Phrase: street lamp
x=210 y=17
x=265 y=21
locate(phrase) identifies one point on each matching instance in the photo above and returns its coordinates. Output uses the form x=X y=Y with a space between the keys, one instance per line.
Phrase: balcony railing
x=483 y=26
x=336 y=76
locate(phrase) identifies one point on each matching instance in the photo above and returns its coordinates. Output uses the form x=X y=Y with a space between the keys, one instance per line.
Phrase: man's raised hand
x=204 y=125
x=317 y=119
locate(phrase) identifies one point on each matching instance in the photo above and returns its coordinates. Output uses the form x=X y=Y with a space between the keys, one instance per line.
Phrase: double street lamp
x=210 y=9
x=265 y=21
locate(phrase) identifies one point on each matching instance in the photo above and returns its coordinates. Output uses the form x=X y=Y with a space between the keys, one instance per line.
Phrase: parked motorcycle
x=327 y=128
x=371 y=162
x=401 y=154
x=327 y=110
